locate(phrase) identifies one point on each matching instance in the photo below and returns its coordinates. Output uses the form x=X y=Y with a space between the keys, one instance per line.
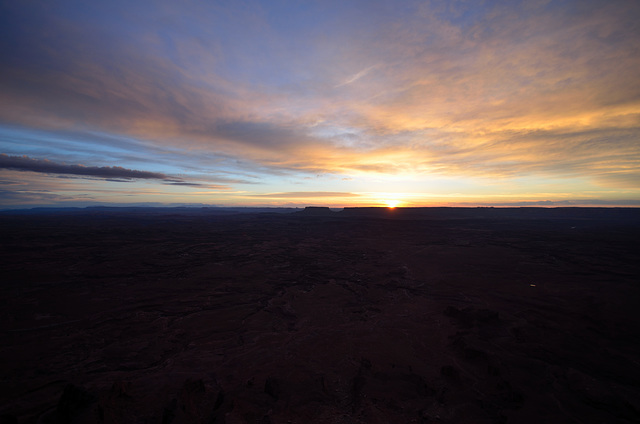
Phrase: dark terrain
x=362 y=316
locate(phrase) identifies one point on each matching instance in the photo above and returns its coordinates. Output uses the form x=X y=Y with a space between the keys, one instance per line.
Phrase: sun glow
x=392 y=203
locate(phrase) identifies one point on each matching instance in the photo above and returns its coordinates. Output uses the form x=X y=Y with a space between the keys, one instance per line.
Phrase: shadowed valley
x=426 y=315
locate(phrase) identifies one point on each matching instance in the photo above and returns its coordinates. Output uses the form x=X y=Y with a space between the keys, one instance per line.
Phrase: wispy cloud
x=107 y=173
x=255 y=92
x=304 y=194
x=357 y=76
x=24 y=163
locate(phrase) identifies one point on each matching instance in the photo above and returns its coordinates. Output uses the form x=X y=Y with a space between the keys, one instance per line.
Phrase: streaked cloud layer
x=24 y=163
x=337 y=103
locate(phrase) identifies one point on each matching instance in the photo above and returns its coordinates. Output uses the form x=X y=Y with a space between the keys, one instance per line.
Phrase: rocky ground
x=319 y=318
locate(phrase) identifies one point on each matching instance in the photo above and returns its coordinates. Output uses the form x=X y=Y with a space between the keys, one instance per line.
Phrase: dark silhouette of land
x=365 y=315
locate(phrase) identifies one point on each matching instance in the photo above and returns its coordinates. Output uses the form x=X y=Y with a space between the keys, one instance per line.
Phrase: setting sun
x=392 y=203
x=516 y=121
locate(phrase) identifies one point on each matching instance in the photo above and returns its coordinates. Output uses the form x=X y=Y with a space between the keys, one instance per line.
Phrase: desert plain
x=365 y=315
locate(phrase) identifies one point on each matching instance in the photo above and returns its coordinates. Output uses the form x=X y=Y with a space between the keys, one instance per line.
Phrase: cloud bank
x=24 y=163
x=486 y=92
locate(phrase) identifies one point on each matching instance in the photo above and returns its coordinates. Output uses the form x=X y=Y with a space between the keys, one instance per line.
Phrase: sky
x=325 y=103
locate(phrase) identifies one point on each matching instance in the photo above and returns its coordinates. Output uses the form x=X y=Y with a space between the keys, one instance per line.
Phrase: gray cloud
x=189 y=184
x=36 y=197
x=306 y=194
x=25 y=163
x=106 y=173
x=263 y=134
x=116 y=174
x=493 y=90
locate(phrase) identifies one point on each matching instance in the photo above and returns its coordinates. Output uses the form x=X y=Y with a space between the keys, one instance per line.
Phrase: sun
x=392 y=203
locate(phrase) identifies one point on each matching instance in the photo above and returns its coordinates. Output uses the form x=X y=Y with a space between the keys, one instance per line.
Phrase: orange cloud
x=539 y=90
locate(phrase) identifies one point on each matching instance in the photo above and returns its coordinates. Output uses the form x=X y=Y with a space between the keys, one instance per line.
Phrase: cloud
x=24 y=163
x=498 y=90
x=37 y=197
x=304 y=194
x=357 y=76
x=188 y=184
x=263 y=135
x=106 y=173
